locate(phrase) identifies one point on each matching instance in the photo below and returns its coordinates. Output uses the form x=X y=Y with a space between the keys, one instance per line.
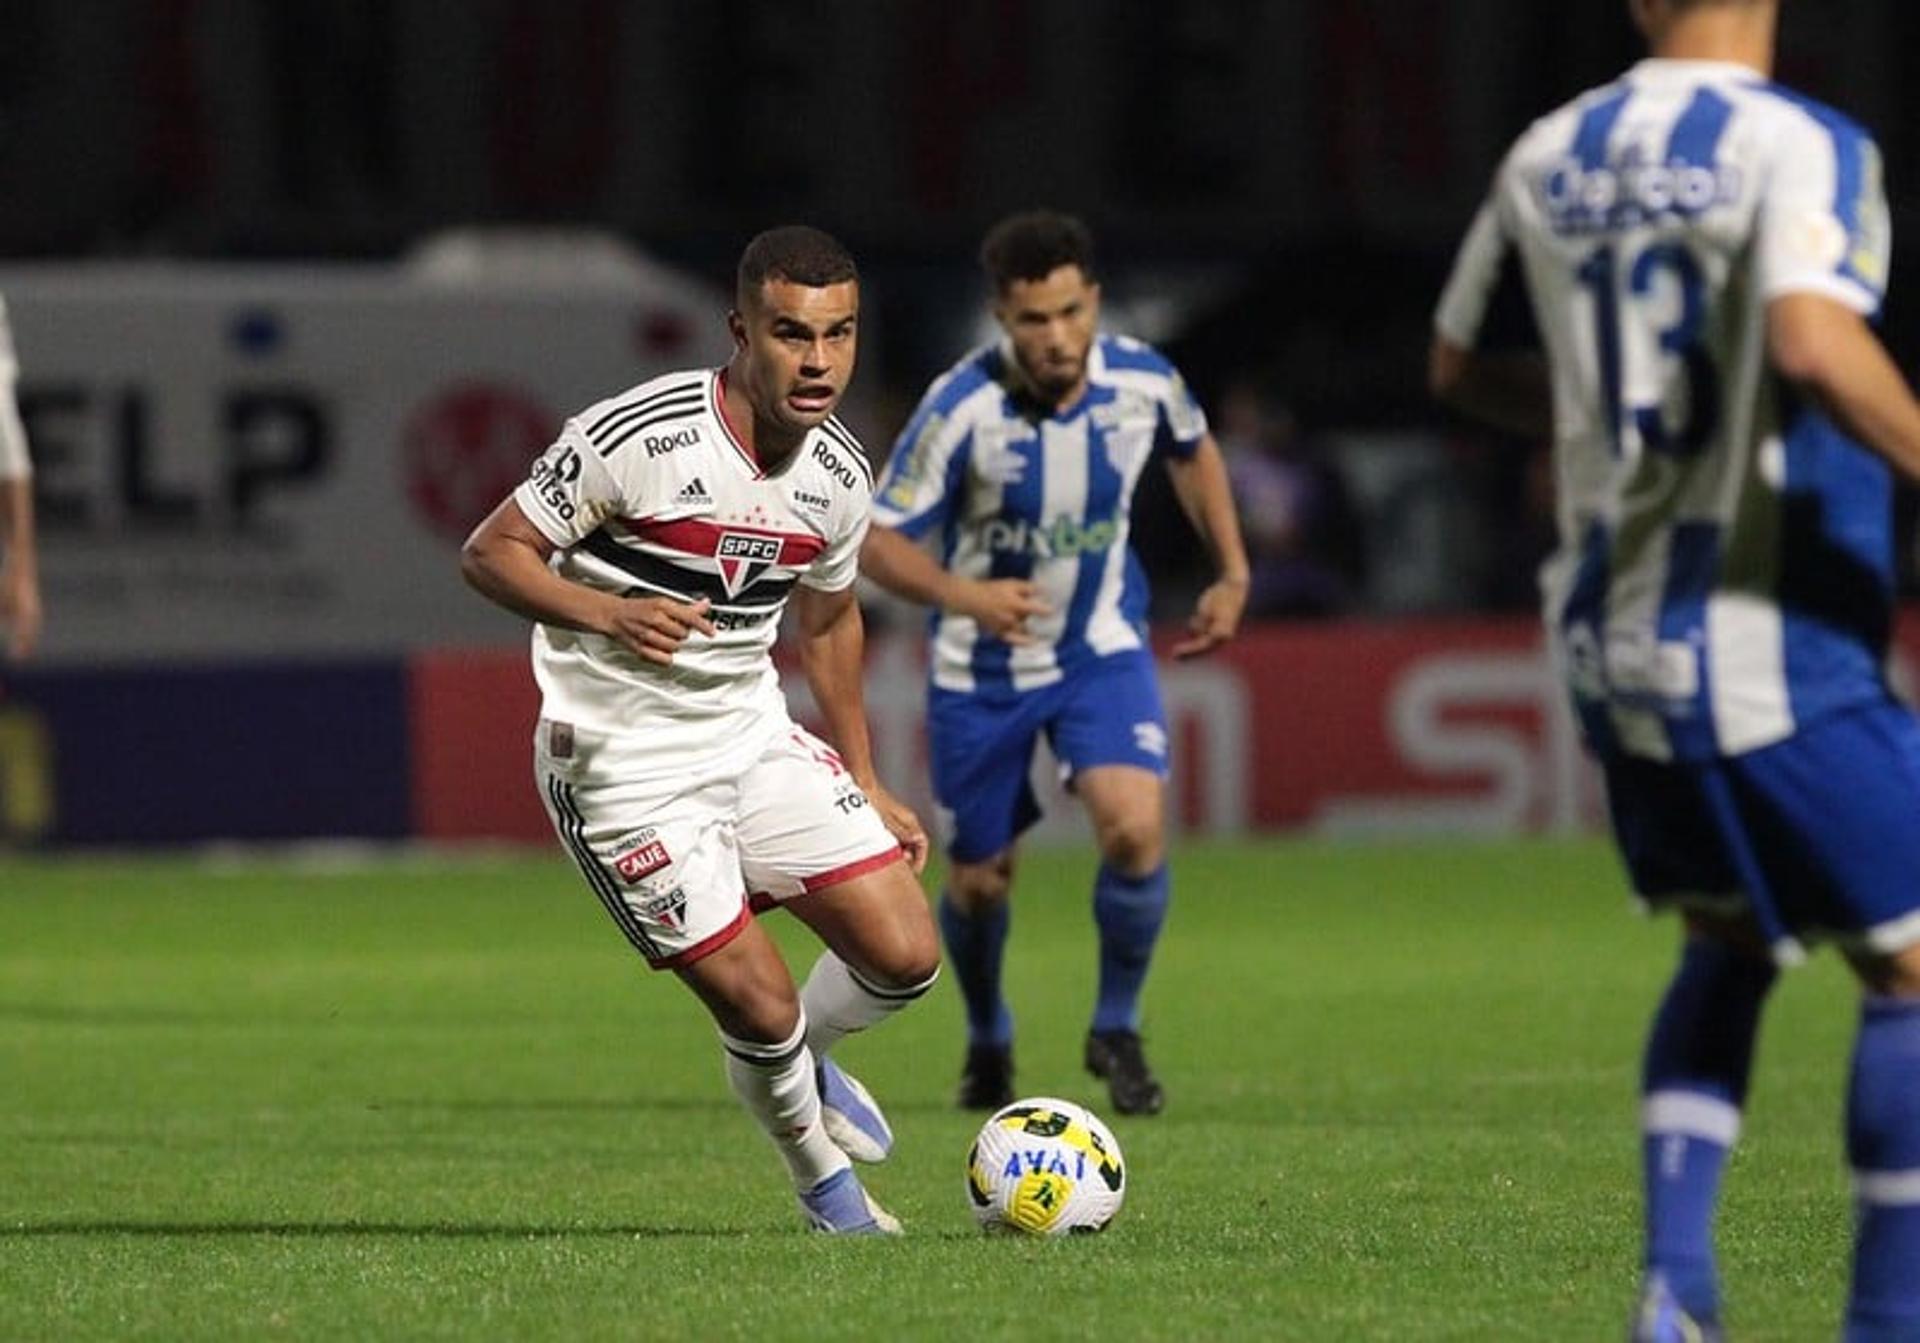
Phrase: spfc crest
x=669 y=907
x=743 y=557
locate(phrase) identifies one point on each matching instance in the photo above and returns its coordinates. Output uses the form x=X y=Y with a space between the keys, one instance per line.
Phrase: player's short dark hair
x=797 y=253
x=1034 y=244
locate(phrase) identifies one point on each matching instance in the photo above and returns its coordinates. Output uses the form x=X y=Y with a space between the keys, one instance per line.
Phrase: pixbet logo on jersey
x=743 y=557
x=1063 y=538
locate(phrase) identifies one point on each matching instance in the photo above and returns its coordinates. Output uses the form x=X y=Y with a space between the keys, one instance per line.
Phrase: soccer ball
x=1045 y=1167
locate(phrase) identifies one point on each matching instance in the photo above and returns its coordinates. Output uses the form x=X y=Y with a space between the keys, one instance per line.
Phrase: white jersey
x=13 y=438
x=1725 y=568
x=649 y=492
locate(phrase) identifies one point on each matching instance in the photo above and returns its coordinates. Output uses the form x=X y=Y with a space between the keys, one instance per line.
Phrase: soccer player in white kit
x=1704 y=251
x=655 y=545
x=20 y=610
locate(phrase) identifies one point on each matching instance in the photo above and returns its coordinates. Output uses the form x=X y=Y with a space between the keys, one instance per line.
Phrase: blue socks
x=1129 y=912
x=1883 y=1147
x=1694 y=1082
x=976 y=944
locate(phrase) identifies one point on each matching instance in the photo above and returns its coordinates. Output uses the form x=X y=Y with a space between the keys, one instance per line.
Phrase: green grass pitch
x=435 y=1099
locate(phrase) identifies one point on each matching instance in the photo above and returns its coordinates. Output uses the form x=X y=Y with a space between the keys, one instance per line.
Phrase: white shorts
x=676 y=860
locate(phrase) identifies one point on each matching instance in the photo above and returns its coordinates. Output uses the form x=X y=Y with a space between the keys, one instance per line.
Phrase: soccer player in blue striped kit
x=1705 y=251
x=1023 y=458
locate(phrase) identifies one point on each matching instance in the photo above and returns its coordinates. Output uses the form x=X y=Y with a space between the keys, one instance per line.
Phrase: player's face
x=1051 y=322
x=1649 y=16
x=798 y=345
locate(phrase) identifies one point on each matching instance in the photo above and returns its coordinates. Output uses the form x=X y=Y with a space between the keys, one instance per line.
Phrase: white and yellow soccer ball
x=1045 y=1167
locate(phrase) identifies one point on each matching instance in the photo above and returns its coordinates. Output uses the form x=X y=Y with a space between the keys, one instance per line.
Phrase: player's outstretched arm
x=1200 y=483
x=832 y=653
x=506 y=558
x=20 y=610
x=1827 y=351
x=1509 y=390
x=1002 y=606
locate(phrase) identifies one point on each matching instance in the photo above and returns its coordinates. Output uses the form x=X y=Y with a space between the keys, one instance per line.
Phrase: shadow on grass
x=562 y=1104
x=399 y=1230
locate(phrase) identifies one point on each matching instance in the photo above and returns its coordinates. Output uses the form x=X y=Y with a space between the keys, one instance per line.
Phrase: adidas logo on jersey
x=694 y=493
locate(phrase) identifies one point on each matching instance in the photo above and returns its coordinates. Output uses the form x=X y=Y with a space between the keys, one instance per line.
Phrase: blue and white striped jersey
x=1018 y=492
x=1725 y=569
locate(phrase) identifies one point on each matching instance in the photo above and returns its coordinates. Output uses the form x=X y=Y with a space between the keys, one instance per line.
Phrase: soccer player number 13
x=1647 y=272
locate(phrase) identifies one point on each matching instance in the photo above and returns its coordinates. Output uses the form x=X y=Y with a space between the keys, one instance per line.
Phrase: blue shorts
x=1818 y=836
x=1103 y=712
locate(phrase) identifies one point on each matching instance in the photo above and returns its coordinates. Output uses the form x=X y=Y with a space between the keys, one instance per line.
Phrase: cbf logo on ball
x=1045 y=1167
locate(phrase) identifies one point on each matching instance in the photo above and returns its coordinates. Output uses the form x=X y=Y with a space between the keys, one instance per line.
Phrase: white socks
x=837 y=1002
x=776 y=1084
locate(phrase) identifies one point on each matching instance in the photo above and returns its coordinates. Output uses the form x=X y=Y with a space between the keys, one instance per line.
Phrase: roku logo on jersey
x=1579 y=199
x=659 y=445
x=836 y=468
x=1063 y=538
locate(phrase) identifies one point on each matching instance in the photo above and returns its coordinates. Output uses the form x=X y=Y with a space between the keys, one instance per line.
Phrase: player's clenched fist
x=1002 y=606
x=901 y=823
x=653 y=628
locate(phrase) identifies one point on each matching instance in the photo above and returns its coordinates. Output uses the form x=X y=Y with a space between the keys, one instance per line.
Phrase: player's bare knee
x=909 y=965
x=979 y=888
x=1890 y=975
x=1738 y=932
x=750 y=998
x=763 y=1018
x=918 y=957
x=1134 y=846
x=907 y=957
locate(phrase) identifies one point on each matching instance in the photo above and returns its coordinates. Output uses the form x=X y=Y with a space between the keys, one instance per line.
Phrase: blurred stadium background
x=299 y=288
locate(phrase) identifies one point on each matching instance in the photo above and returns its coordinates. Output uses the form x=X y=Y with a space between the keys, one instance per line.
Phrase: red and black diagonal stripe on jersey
x=741 y=557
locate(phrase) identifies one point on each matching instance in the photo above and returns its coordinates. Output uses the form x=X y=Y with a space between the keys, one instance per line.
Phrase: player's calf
x=1883 y=1147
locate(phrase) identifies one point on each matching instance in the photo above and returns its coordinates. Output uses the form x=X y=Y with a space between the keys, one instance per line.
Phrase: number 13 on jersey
x=1635 y=288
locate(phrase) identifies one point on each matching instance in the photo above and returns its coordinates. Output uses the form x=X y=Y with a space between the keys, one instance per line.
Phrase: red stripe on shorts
x=847 y=872
x=707 y=945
